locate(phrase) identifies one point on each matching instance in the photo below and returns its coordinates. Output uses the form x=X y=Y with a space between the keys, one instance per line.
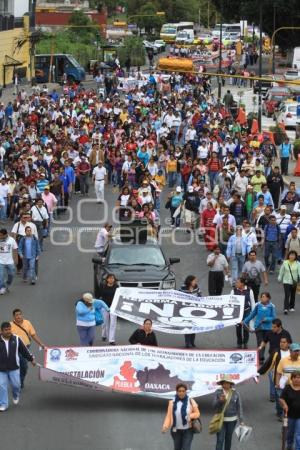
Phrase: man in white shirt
x=4 y=194
x=40 y=217
x=218 y=219
x=8 y=256
x=102 y=239
x=99 y=180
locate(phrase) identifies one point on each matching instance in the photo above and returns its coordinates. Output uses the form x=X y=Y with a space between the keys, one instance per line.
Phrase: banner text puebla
x=142 y=370
x=176 y=312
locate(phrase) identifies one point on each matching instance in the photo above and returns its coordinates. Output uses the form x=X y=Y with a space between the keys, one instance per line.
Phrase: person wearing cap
x=227 y=396
x=287 y=366
x=86 y=317
x=83 y=169
x=176 y=200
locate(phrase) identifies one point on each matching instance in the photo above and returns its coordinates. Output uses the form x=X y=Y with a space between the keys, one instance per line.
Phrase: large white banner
x=176 y=312
x=143 y=370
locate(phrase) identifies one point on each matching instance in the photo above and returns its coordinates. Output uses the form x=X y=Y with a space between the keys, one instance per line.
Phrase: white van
x=296 y=58
x=185 y=37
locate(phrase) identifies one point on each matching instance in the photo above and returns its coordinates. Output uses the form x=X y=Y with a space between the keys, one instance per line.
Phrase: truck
x=185 y=37
x=136 y=259
x=296 y=58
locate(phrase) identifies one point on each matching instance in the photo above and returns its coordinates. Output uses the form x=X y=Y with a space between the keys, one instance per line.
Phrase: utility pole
x=220 y=52
x=208 y=13
x=273 y=46
x=260 y=66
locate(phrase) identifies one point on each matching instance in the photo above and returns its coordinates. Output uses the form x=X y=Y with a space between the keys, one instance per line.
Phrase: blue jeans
x=29 y=269
x=3 y=210
x=86 y=335
x=212 y=179
x=293 y=433
x=237 y=263
x=271 y=249
x=182 y=439
x=7 y=272
x=11 y=377
x=272 y=385
x=224 y=437
x=279 y=409
x=172 y=178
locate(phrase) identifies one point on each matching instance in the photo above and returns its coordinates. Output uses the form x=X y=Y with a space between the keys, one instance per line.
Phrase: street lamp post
x=260 y=67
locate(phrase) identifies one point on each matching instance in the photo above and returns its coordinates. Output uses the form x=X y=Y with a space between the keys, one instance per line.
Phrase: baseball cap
x=282 y=207
x=295 y=347
x=178 y=189
x=190 y=189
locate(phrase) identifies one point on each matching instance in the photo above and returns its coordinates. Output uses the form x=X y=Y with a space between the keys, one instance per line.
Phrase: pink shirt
x=50 y=201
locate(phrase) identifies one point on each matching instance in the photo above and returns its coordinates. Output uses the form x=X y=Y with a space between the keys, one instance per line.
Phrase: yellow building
x=15 y=53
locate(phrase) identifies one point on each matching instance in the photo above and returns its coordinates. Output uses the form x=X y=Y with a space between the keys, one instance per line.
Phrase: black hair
x=188 y=280
x=3 y=231
x=147 y=320
x=5 y=325
x=16 y=311
x=277 y=322
x=181 y=385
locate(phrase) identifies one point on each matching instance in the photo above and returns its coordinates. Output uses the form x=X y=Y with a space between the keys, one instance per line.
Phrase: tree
x=132 y=48
x=287 y=13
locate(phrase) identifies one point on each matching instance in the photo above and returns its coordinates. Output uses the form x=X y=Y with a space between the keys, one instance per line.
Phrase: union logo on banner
x=71 y=355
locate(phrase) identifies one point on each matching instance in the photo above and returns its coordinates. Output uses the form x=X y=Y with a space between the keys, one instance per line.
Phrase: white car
x=292 y=74
x=287 y=114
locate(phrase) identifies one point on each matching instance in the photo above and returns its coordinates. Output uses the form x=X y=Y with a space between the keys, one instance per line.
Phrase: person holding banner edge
x=190 y=286
x=180 y=414
x=145 y=335
x=242 y=331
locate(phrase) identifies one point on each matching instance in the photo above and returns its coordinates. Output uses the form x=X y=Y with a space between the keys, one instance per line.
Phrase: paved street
x=56 y=417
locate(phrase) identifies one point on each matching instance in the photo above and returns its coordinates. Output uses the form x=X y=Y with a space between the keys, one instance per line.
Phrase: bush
x=296 y=148
x=279 y=134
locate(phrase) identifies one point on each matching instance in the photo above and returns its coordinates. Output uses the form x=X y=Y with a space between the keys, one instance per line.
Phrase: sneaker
x=104 y=339
x=32 y=281
x=3 y=408
x=112 y=343
x=16 y=400
x=292 y=309
x=271 y=272
x=2 y=291
x=285 y=311
x=245 y=346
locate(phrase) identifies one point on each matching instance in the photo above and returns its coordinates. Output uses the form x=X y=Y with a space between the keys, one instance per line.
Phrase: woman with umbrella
x=290 y=402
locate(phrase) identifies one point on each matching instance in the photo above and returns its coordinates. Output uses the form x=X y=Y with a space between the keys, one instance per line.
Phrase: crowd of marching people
x=165 y=144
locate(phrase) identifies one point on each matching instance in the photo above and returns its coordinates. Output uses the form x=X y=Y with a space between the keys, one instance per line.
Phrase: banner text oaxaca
x=142 y=370
x=176 y=312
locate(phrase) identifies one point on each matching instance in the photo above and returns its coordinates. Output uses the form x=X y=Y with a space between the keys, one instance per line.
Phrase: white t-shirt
x=99 y=173
x=4 y=190
x=39 y=214
x=19 y=228
x=6 y=250
x=101 y=240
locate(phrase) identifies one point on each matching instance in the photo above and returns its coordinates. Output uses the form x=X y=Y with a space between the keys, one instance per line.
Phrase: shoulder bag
x=217 y=420
x=23 y=329
x=295 y=282
x=196 y=423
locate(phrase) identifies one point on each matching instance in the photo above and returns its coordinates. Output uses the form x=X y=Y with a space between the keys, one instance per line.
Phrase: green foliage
x=287 y=13
x=133 y=48
x=67 y=42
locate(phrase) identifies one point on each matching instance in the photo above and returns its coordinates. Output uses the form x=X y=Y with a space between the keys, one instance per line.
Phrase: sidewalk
x=8 y=93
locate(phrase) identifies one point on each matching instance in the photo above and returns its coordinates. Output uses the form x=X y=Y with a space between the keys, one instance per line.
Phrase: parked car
x=160 y=45
x=265 y=85
x=292 y=74
x=287 y=114
x=273 y=98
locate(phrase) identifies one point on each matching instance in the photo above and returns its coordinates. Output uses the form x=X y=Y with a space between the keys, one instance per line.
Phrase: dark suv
x=140 y=264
